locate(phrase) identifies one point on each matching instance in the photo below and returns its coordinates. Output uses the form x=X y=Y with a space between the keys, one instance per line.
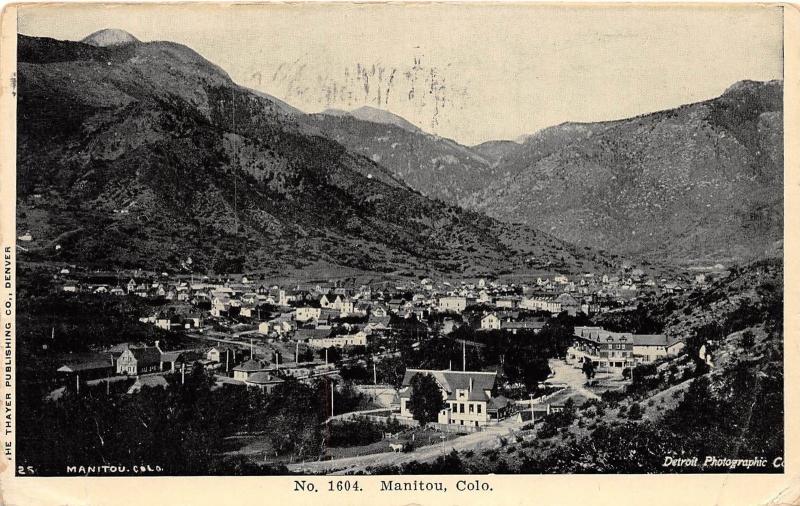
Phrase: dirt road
x=486 y=439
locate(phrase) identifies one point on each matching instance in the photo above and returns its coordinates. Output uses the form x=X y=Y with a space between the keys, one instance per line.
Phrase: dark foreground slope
x=145 y=155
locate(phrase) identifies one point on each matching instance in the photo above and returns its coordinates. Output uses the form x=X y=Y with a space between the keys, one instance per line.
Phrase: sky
x=470 y=72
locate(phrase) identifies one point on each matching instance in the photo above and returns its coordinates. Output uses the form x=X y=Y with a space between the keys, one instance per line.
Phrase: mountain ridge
x=151 y=154
x=717 y=143
x=697 y=183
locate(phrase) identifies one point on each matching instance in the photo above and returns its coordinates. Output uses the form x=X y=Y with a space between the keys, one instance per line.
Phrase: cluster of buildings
x=330 y=314
x=325 y=315
x=612 y=352
x=149 y=364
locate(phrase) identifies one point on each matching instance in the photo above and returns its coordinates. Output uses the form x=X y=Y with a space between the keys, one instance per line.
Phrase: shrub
x=635 y=413
x=546 y=431
x=748 y=339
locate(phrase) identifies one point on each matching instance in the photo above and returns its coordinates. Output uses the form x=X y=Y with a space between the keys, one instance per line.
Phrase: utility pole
x=331 y=397
x=251 y=349
x=326 y=355
x=531 y=407
x=374 y=374
x=183 y=373
x=227 y=360
x=78 y=383
x=297 y=352
x=233 y=169
x=463 y=355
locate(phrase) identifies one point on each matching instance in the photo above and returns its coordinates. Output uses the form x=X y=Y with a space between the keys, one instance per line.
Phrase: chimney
x=470 y=383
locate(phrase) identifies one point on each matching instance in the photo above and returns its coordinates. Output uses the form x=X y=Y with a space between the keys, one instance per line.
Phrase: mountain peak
x=109 y=37
x=750 y=87
x=367 y=113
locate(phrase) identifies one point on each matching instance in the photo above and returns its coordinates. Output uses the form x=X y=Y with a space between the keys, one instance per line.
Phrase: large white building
x=357 y=339
x=467 y=395
x=490 y=322
x=304 y=314
x=541 y=304
x=453 y=304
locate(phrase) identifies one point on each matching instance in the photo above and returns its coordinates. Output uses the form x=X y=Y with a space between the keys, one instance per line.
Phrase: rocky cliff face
x=703 y=182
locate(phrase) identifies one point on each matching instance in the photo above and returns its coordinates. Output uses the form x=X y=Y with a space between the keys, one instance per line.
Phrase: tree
x=334 y=354
x=524 y=366
x=588 y=369
x=748 y=339
x=296 y=412
x=426 y=399
x=306 y=355
x=391 y=370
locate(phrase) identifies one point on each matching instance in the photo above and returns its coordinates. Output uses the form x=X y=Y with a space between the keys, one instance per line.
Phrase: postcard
x=399 y=253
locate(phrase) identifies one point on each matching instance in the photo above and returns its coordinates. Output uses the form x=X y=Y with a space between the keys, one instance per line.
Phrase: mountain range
x=152 y=145
x=134 y=154
x=696 y=184
x=700 y=183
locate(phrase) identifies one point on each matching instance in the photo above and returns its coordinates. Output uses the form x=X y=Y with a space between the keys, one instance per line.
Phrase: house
x=153 y=381
x=505 y=302
x=569 y=304
x=534 y=326
x=467 y=395
x=541 y=304
x=396 y=305
x=221 y=354
x=611 y=352
x=193 y=320
x=263 y=380
x=88 y=367
x=305 y=335
x=377 y=324
x=135 y=361
x=647 y=347
x=328 y=300
x=71 y=286
x=343 y=304
x=168 y=322
x=490 y=322
x=248 y=311
x=304 y=314
x=243 y=371
x=339 y=341
x=281 y=325
x=452 y=304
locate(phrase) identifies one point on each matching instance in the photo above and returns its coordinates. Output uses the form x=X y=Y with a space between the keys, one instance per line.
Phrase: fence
x=541 y=400
x=461 y=429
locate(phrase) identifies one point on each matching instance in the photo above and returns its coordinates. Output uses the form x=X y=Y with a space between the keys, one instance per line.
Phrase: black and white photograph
x=397 y=240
